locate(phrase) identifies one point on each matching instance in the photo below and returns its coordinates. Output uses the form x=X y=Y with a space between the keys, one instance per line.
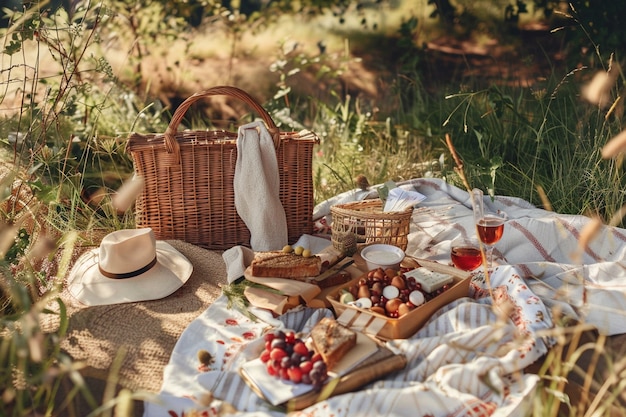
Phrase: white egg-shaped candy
x=390 y=292
x=416 y=298
x=363 y=302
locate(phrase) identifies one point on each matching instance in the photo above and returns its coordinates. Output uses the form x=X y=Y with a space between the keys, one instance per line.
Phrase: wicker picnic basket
x=189 y=192
x=367 y=222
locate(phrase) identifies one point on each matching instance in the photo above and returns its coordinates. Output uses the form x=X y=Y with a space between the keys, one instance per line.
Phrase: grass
x=541 y=143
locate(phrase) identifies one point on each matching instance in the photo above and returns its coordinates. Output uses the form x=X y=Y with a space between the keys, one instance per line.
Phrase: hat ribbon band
x=128 y=274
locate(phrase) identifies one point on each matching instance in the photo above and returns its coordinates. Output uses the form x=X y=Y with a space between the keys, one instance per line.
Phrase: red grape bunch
x=289 y=358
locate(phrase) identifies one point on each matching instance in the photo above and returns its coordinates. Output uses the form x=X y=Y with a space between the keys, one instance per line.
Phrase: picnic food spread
x=441 y=349
x=413 y=334
x=450 y=351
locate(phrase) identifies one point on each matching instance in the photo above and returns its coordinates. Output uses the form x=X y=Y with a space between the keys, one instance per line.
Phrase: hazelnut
x=354 y=290
x=379 y=274
x=398 y=282
x=390 y=273
x=392 y=305
x=403 y=309
x=378 y=310
x=364 y=292
x=377 y=287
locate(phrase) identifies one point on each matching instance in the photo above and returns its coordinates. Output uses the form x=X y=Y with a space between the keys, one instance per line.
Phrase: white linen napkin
x=237 y=260
x=257 y=188
x=313 y=243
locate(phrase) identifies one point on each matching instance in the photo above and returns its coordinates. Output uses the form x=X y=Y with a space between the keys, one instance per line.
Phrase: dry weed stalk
x=544 y=198
x=458 y=162
x=127 y=194
x=615 y=146
x=458 y=168
x=587 y=234
x=599 y=88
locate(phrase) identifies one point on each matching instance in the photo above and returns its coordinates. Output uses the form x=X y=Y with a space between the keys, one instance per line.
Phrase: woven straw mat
x=146 y=331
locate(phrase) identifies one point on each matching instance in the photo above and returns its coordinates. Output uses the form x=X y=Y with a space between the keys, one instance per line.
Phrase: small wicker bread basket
x=369 y=224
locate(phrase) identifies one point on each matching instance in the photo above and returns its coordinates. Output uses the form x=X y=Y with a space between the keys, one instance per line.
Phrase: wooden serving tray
x=406 y=326
x=311 y=294
x=376 y=365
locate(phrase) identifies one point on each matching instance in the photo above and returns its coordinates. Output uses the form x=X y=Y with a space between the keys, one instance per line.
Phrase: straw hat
x=130 y=265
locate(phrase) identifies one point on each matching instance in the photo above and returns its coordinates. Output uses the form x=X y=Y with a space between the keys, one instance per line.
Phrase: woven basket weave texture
x=369 y=224
x=189 y=192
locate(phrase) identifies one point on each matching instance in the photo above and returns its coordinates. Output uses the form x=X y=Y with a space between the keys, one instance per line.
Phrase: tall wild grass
x=64 y=133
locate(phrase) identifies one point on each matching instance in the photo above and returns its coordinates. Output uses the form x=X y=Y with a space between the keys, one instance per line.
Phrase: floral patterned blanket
x=470 y=357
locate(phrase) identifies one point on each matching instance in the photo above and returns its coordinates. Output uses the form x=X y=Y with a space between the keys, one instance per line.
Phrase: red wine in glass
x=490 y=229
x=466 y=258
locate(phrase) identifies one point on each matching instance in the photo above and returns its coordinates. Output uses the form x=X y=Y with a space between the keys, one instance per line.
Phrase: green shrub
x=514 y=141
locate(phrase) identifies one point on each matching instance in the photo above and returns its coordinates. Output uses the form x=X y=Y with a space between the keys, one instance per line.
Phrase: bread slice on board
x=332 y=340
x=278 y=264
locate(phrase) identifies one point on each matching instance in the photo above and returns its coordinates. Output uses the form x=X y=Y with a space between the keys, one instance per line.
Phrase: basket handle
x=171 y=144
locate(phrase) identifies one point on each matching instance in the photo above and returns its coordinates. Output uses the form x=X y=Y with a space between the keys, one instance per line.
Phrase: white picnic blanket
x=469 y=359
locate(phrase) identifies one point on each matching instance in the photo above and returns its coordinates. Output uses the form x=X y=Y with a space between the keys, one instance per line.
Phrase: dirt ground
x=446 y=61
x=173 y=72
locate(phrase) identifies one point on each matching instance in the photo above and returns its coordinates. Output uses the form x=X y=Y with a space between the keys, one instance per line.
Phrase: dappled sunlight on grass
x=70 y=98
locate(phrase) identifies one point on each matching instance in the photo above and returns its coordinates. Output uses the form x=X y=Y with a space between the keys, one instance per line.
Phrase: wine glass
x=489 y=226
x=465 y=253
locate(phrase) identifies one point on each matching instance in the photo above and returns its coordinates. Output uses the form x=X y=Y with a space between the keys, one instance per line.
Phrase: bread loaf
x=332 y=340
x=278 y=264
